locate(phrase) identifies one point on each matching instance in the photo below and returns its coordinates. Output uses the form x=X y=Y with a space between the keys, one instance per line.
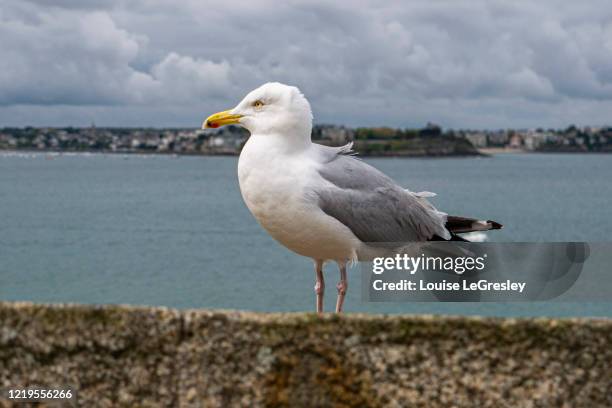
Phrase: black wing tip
x=495 y=225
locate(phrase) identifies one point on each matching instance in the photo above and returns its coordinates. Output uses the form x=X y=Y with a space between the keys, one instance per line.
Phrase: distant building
x=478 y=139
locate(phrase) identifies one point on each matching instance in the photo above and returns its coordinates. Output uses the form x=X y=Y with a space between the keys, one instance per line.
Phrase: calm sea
x=173 y=231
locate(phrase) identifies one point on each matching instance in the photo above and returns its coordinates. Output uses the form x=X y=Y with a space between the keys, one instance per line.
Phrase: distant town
x=430 y=140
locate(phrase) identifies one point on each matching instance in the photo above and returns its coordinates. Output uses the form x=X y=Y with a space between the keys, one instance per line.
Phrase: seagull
x=322 y=202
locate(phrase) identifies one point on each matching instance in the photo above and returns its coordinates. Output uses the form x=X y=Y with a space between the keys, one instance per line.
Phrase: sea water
x=173 y=231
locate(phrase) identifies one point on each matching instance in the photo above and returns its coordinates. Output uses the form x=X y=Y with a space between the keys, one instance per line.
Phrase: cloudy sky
x=459 y=63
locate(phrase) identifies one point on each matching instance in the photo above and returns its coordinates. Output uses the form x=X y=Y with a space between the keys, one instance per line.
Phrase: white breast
x=275 y=188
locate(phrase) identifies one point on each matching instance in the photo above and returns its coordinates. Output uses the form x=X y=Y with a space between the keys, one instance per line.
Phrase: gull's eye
x=258 y=104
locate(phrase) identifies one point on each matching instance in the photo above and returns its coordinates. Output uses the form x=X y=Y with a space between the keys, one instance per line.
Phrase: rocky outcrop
x=126 y=356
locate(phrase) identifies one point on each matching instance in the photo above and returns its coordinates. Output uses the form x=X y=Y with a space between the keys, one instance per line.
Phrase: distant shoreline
x=501 y=150
x=226 y=153
x=430 y=141
x=117 y=152
x=492 y=151
x=481 y=152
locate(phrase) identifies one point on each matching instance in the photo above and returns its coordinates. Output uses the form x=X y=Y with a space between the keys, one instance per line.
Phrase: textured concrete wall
x=118 y=356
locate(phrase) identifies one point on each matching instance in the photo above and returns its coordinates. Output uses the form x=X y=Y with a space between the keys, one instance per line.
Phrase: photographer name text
x=464 y=285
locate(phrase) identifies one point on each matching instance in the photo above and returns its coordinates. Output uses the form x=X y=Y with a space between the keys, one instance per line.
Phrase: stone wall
x=125 y=356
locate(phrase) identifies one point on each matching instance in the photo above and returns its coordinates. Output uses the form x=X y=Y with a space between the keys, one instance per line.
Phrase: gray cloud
x=460 y=63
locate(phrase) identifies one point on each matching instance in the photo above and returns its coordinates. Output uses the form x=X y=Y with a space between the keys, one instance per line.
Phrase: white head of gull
x=320 y=201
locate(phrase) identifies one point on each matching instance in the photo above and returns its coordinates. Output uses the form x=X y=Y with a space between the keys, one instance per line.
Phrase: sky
x=461 y=64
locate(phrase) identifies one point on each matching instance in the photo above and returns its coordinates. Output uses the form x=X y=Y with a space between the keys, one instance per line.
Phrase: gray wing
x=372 y=205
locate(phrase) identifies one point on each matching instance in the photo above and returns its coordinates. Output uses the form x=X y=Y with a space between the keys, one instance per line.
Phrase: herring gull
x=320 y=201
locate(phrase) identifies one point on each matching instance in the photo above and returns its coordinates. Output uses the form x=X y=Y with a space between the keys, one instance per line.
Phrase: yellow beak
x=221 y=119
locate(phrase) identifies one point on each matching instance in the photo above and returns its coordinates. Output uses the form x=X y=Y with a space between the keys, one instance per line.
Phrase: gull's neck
x=284 y=143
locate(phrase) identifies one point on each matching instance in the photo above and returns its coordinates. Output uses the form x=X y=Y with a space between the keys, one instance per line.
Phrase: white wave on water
x=19 y=154
x=55 y=155
x=41 y=155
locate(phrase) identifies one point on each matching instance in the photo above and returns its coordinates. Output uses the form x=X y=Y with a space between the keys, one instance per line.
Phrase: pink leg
x=319 y=285
x=342 y=287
